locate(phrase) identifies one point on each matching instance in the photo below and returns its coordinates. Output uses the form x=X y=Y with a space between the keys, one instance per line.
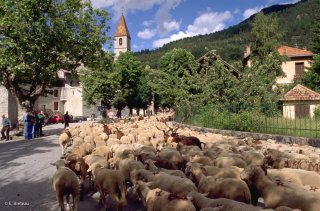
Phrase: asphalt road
x=26 y=174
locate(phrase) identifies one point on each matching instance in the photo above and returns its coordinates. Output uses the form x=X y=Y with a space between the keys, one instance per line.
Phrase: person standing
x=29 y=121
x=5 y=128
x=40 y=123
x=35 y=124
x=66 y=118
x=25 y=124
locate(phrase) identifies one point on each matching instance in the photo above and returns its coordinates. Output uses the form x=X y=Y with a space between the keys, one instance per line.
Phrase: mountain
x=295 y=21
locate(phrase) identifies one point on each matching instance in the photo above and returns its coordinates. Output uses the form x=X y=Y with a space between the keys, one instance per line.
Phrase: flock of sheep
x=171 y=168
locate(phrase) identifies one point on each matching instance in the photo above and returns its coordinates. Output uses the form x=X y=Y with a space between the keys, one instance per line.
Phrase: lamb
x=65 y=182
x=109 y=181
x=160 y=200
x=278 y=194
x=221 y=187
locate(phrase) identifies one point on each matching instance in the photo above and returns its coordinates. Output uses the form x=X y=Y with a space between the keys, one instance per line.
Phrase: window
x=55 y=93
x=120 y=41
x=299 y=69
x=56 y=106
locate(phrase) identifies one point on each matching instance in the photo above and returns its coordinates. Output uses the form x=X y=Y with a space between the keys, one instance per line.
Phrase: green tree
x=177 y=82
x=144 y=96
x=311 y=78
x=38 y=38
x=219 y=84
x=130 y=71
x=100 y=81
x=258 y=81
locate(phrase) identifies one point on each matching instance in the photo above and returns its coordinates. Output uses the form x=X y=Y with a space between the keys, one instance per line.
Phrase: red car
x=55 y=119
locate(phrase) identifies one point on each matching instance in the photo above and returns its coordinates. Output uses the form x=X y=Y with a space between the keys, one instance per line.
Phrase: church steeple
x=122 y=38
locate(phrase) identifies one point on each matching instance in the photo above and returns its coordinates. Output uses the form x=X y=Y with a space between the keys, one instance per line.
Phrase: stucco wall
x=288 y=68
x=74 y=104
x=289 y=108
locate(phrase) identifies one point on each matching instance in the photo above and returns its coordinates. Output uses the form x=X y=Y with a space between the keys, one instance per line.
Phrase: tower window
x=120 y=41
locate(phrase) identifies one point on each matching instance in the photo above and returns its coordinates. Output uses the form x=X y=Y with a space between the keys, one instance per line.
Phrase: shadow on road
x=14 y=150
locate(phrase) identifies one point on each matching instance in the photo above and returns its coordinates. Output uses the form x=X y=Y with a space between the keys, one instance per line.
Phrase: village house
x=299 y=102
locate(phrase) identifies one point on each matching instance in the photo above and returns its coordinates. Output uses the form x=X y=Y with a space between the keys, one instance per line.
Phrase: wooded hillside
x=295 y=22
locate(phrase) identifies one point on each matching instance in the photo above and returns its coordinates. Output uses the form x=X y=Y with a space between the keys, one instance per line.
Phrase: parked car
x=78 y=118
x=55 y=119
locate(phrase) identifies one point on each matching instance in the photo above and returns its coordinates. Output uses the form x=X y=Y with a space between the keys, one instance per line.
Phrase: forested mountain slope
x=295 y=21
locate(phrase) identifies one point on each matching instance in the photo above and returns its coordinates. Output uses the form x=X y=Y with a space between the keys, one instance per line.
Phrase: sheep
x=64 y=140
x=160 y=200
x=221 y=187
x=173 y=184
x=65 y=182
x=276 y=195
x=201 y=201
x=252 y=157
x=78 y=166
x=226 y=172
x=109 y=181
x=173 y=156
x=128 y=167
x=102 y=151
x=150 y=166
x=204 y=160
x=229 y=161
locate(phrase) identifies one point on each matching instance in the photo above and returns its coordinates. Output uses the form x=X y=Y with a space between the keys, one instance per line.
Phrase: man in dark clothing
x=66 y=119
x=40 y=123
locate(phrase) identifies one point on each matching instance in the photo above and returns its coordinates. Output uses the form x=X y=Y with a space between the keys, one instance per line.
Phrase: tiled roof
x=293 y=52
x=122 y=29
x=301 y=93
x=213 y=54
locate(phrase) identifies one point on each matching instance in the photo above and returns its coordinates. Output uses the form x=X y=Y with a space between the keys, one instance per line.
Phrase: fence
x=283 y=120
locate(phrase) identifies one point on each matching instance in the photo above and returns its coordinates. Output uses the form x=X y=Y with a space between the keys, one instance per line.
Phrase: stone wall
x=315 y=142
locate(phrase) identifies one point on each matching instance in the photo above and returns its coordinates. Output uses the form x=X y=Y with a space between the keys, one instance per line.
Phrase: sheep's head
x=59 y=163
x=251 y=173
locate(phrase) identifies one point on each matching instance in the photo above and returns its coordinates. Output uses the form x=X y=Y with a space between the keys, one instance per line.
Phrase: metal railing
x=281 y=120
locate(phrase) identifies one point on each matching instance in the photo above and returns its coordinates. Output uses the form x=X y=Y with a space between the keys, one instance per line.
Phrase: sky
x=153 y=23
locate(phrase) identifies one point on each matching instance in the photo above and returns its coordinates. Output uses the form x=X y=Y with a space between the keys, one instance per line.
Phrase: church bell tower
x=122 y=42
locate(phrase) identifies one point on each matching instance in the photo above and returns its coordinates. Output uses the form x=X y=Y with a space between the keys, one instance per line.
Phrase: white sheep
x=277 y=194
x=160 y=200
x=64 y=140
x=65 y=182
x=221 y=187
x=111 y=182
